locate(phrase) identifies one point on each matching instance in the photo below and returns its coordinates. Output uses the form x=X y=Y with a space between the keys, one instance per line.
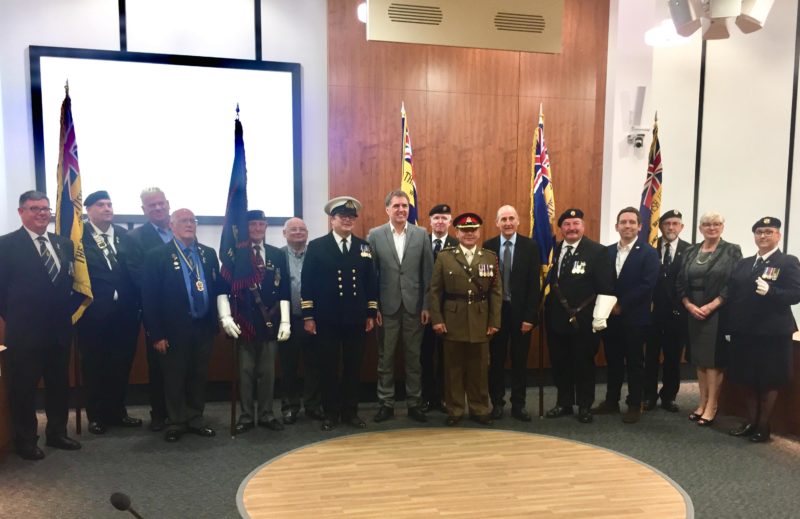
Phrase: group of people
x=458 y=308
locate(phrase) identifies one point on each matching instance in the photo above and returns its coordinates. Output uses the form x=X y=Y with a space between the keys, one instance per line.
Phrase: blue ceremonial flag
x=650 y=206
x=407 y=182
x=543 y=202
x=69 y=208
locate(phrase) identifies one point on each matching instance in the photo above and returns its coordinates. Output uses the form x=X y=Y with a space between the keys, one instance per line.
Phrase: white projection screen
x=146 y=120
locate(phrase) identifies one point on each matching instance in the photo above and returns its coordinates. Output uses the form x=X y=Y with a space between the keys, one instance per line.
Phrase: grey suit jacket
x=405 y=282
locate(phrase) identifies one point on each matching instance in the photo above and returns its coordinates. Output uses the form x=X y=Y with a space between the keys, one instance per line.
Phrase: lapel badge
x=771 y=273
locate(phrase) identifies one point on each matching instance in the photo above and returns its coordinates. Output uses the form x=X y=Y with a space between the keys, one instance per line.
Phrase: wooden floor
x=471 y=473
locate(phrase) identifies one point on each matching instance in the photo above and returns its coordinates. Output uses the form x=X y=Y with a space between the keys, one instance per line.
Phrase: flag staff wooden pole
x=234 y=386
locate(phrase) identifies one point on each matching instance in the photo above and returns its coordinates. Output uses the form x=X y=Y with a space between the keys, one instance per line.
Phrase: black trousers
x=337 y=342
x=667 y=337
x=185 y=367
x=572 y=358
x=431 y=361
x=300 y=345
x=508 y=341
x=25 y=365
x=155 y=376
x=107 y=349
x=624 y=348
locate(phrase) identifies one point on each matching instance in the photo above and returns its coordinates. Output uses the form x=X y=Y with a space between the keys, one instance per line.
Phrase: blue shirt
x=198 y=309
x=164 y=234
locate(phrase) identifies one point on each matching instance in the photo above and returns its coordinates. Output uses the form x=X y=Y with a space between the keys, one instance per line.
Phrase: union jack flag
x=407 y=182
x=69 y=208
x=543 y=202
x=650 y=206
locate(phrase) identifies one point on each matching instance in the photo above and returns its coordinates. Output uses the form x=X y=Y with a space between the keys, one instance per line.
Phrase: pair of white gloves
x=602 y=309
x=233 y=330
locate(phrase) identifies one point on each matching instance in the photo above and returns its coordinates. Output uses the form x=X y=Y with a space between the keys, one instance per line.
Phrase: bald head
x=184 y=226
x=507 y=221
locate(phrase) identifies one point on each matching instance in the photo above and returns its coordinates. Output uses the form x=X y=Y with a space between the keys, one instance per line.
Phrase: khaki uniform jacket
x=452 y=283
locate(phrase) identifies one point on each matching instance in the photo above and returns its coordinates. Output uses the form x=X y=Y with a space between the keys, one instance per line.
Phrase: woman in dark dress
x=762 y=289
x=702 y=287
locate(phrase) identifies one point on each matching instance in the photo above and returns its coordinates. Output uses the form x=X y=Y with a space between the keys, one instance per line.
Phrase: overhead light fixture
x=713 y=15
x=664 y=35
x=361 y=12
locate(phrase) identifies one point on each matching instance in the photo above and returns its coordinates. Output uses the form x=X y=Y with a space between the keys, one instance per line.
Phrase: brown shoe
x=606 y=407
x=632 y=415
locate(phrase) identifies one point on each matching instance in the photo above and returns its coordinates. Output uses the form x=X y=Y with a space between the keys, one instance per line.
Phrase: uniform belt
x=469 y=298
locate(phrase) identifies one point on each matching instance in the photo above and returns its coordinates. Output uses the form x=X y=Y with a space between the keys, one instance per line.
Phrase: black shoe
x=205 y=432
x=745 y=429
x=705 y=422
x=633 y=414
x=415 y=413
x=452 y=420
x=483 y=419
x=670 y=405
x=606 y=407
x=521 y=414
x=157 y=424
x=558 y=411
x=173 y=435
x=425 y=406
x=128 y=421
x=760 y=437
x=32 y=453
x=97 y=427
x=585 y=415
x=649 y=404
x=383 y=414
x=63 y=442
x=290 y=417
x=693 y=417
x=440 y=406
x=328 y=425
x=356 y=421
x=272 y=424
x=497 y=412
x=242 y=427
x=314 y=414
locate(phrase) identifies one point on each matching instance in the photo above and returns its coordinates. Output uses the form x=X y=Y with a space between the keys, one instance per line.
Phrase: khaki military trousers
x=465 y=371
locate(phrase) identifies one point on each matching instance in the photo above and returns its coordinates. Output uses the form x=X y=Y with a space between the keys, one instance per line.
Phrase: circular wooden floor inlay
x=474 y=473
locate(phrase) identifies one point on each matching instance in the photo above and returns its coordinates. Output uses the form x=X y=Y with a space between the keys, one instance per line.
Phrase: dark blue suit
x=625 y=336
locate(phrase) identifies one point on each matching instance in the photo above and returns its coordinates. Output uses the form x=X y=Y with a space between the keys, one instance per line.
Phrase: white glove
x=599 y=324
x=225 y=319
x=762 y=287
x=284 y=329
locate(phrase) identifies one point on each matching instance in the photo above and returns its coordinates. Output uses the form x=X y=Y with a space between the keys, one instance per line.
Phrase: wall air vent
x=518 y=25
x=414 y=13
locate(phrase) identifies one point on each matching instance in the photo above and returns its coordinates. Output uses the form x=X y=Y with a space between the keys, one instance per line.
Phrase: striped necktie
x=47 y=258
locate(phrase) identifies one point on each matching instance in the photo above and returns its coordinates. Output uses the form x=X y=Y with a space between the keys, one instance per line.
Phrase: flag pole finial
x=237 y=111
x=66 y=87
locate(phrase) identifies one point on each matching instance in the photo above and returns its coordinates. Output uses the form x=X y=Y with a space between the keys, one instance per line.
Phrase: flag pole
x=77 y=372
x=234 y=386
x=540 y=370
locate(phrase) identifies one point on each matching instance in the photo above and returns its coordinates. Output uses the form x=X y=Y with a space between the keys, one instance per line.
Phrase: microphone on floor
x=122 y=502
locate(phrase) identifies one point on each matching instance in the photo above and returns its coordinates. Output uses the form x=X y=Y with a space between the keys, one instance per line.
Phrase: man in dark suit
x=109 y=328
x=431 y=353
x=154 y=233
x=180 y=285
x=668 y=332
x=581 y=279
x=403 y=261
x=261 y=316
x=637 y=268
x=520 y=268
x=36 y=269
x=339 y=302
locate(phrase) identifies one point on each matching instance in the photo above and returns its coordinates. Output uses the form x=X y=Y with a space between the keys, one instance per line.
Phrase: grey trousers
x=404 y=327
x=256 y=377
x=185 y=367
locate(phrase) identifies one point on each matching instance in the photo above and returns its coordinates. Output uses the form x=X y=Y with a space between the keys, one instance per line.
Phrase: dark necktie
x=344 y=246
x=759 y=264
x=197 y=295
x=259 y=259
x=507 y=270
x=112 y=258
x=667 y=256
x=49 y=262
x=437 y=247
x=565 y=259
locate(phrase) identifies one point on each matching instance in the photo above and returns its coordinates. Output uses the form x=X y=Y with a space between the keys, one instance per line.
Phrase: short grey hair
x=711 y=216
x=497 y=216
x=33 y=196
x=396 y=192
x=150 y=191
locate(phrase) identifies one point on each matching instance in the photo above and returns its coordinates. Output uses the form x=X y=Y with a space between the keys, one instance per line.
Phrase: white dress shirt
x=399 y=240
x=348 y=240
x=622 y=254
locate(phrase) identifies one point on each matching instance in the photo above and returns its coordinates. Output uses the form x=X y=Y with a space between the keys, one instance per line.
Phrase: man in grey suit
x=404 y=262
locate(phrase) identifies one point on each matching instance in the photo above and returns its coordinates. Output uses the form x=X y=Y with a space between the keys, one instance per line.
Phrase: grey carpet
x=198 y=477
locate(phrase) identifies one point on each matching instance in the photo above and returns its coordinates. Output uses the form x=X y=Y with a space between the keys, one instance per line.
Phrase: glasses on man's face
x=346 y=217
x=186 y=221
x=765 y=232
x=38 y=209
x=711 y=224
x=296 y=229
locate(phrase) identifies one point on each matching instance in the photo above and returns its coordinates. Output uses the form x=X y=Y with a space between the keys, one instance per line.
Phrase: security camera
x=636 y=136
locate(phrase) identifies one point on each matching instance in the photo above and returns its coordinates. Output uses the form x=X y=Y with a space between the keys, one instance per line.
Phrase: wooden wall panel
x=474 y=71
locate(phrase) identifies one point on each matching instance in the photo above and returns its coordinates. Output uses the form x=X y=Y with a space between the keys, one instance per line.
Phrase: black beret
x=440 y=209
x=467 y=221
x=570 y=213
x=256 y=214
x=94 y=197
x=767 y=221
x=672 y=213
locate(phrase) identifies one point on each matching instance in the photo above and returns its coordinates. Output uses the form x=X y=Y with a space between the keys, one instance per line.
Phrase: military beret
x=467 y=221
x=95 y=197
x=256 y=214
x=344 y=205
x=570 y=213
x=672 y=213
x=440 y=209
x=767 y=221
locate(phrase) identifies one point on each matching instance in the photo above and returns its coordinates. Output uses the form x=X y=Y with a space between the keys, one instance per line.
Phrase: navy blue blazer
x=635 y=283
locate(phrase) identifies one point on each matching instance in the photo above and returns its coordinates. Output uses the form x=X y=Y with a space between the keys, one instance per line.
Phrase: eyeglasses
x=39 y=210
x=296 y=229
x=764 y=232
x=186 y=221
x=349 y=217
x=711 y=224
